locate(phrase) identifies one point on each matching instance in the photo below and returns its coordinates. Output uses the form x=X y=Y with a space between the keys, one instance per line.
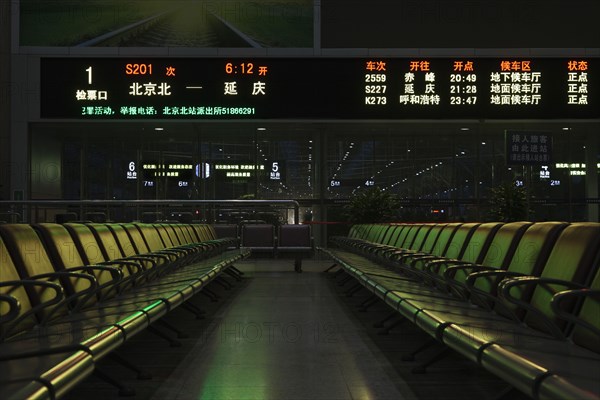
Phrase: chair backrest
x=65 y=253
x=395 y=234
x=90 y=250
x=207 y=232
x=478 y=244
x=9 y=273
x=461 y=236
x=529 y=256
x=151 y=216
x=135 y=237
x=294 y=236
x=444 y=239
x=164 y=234
x=185 y=236
x=60 y=245
x=379 y=233
x=421 y=235
x=31 y=258
x=61 y=218
x=107 y=241
x=589 y=313
x=411 y=232
x=182 y=217
x=574 y=258
x=226 y=230
x=127 y=246
x=400 y=236
x=258 y=236
x=389 y=234
x=354 y=231
x=97 y=217
x=151 y=236
x=361 y=231
x=534 y=248
x=176 y=237
x=432 y=237
x=193 y=233
x=503 y=241
x=26 y=249
x=504 y=244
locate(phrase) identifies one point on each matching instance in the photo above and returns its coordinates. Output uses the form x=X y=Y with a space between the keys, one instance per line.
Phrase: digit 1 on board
x=89 y=71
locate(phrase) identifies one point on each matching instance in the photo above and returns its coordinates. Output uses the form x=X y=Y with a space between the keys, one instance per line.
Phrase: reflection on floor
x=282 y=335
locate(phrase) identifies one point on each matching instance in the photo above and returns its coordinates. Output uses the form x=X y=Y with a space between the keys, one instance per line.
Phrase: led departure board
x=320 y=88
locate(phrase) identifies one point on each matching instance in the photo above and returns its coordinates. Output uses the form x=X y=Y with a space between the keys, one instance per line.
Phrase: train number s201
x=138 y=69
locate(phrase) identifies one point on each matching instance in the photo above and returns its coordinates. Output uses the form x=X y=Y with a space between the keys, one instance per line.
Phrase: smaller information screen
x=320 y=88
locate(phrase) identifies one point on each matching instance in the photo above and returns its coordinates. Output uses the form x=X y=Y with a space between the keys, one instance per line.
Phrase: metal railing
x=206 y=211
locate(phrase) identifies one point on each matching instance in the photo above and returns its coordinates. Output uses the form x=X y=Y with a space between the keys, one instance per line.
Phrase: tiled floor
x=285 y=336
x=282 y=335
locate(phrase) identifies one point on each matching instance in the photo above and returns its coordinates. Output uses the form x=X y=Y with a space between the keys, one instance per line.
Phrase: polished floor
x=282 y=335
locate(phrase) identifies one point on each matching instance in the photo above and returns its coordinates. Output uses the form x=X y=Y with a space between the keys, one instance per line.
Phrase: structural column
x=592 y=152
x=5 y=40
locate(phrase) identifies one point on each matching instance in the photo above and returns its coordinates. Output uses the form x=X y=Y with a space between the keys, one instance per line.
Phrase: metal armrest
x=427 y=258
x=450 y=273
x=174 y=251
x=559 y=297
x=437 y=264
x=137 y=266
x=504 y=292
x=413 y=273
x=402 y=256
x=171 y=260
x=76 y=300
x=158 y=254
x=134 y=269
x=146 y=273
x=397 y=252
x=433 y=277
x=14 y=307
x=142 y=257
x=115 y=273
x=490 y=297
x=489 y=272
x=459 y=287
x=59 y=296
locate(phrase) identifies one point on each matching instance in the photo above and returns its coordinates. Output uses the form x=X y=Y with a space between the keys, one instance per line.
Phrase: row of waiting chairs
x=71 y=294
x=521 y=299
x=268 y=237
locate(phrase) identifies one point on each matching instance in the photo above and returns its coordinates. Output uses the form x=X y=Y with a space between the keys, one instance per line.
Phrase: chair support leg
x=141 y=375
x=421 y=369
x=365 y=305
x=337 y=273
x=344 y=280
x=386 y=330
x=123 y=390
x=330 y=268
x=508 y=393
x=172 y=342
x=350 y=292
x=381 y=323
x=223 y=283
x=237 y=271
x=411 y=356
x=233 y=274
x=193 y=309
x=180 y=334
x=210 y=294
